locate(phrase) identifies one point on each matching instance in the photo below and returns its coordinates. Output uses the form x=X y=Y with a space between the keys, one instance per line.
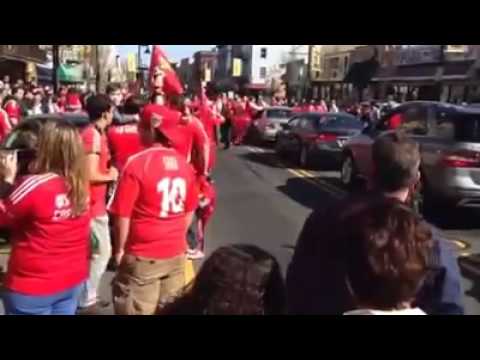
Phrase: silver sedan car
x=266 y=128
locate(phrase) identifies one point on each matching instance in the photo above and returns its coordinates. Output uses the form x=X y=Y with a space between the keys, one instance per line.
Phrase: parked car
x=449 y=138
x=266 y=128
x=314 y=138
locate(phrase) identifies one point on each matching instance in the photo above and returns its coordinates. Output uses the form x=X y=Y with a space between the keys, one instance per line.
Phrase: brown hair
x=235 y=280
x=60 y=151
x=396 y=159
x=386 y=249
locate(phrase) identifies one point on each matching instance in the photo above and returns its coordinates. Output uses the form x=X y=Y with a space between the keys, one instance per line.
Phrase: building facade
x=203 y=68
x=19 y=61
x=328 y=69
x=431 y=72
x=253 y=68
x=185 y=73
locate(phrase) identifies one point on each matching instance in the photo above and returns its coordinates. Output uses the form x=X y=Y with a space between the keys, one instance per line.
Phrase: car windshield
x=279 y=114
x=467 y=127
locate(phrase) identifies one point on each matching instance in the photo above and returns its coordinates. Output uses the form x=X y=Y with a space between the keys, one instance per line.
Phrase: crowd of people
x=141 y=171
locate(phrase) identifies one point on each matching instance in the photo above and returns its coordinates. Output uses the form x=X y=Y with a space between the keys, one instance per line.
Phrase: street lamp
x=141 y=69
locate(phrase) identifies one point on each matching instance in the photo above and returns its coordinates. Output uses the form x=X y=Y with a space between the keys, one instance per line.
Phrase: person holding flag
x=189 y=138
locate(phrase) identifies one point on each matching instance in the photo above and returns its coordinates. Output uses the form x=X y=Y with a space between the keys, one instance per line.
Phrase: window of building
x=346 y=63
x=263 y=53
x=334 y=63
x=263 y=72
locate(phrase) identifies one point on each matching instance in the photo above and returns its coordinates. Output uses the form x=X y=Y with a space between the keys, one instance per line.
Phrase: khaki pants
x=142 y=285
x=99 y=261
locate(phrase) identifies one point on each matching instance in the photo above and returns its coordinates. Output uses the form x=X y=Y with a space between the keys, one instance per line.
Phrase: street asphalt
x=263 y=200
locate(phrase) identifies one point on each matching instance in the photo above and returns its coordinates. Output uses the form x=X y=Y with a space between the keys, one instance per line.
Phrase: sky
x=174 y=52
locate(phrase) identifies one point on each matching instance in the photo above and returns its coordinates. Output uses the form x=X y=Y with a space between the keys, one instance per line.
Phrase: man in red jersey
x=241 y=120
x=5 y=125
x=123 y=139
x=100 y=111
x=72 y=101
x=153 y=206
x=189 y=137
x=12 y=105
x=210 y=119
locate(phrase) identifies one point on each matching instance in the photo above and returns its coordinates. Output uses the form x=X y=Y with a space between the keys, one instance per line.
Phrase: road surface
x=263 y=201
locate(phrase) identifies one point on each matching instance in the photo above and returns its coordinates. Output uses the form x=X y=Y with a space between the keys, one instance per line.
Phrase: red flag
x=159 y=62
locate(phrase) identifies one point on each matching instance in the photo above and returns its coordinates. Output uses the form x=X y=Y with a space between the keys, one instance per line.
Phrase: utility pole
x=308 y=78
x=97 y=69
x=56 y=65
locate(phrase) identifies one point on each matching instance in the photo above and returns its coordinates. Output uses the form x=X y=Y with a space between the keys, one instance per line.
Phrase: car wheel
x=425 y=203
x=348 y=173
x=279 y=150
x=303 y=157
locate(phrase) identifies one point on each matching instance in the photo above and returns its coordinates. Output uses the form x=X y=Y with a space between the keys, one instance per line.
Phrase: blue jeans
x=62 y=303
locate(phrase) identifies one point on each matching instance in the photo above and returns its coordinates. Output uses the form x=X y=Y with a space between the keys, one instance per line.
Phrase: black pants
x=192 y=237
x=226 y=132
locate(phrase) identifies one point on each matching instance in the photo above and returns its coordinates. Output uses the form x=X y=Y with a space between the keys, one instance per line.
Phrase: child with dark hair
x=235 y=280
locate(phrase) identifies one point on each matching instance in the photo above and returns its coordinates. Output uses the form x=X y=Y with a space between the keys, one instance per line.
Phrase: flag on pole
x=160 y=63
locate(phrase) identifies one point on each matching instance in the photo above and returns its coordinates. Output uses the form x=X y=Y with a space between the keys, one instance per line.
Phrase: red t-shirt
x=210 y=122
x=73 y=103
x=124 y=141
x=49 y=247
x=95 y=142
x=5 y=126
x=395 y=121
x=13 y=110
x=156 y=190
x=191 y=137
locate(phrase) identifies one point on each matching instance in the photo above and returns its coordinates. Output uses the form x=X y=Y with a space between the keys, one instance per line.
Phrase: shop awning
x=70 y=73
x=255 y=87
x=361 y=73
x=426 y=72
x=458 y=69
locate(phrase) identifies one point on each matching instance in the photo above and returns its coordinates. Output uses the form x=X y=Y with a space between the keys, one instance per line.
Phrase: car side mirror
x=286 y=126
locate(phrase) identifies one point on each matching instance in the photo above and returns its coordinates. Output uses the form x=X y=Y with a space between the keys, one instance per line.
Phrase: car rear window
x=279 y=114
x=343 y=122
x=467 y=128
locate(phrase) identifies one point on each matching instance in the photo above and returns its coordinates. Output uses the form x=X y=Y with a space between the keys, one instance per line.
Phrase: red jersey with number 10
x=156 y=190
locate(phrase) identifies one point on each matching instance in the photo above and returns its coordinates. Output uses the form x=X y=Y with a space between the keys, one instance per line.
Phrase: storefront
x=18 y=61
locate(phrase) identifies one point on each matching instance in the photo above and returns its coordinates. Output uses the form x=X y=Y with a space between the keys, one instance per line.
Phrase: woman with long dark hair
x=235 y=280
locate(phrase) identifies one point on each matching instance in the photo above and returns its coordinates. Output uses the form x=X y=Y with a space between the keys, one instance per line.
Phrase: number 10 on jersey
x=174 y=192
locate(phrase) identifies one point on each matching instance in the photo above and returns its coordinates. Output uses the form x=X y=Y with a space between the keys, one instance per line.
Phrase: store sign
x=457 y=48
x=208 y=75
x=24 y=52
x=416 y=55
x=132 y=63
x=237 y=67
x=316 y=62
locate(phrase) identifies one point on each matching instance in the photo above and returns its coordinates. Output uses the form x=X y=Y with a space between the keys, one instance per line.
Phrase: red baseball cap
x=161 y=118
